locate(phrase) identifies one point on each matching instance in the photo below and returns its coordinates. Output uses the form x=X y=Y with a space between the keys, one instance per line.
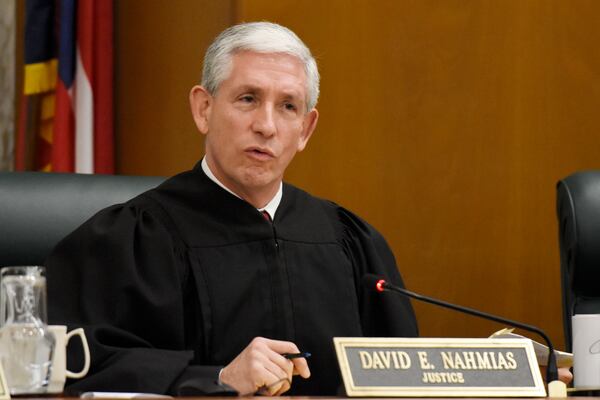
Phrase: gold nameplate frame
x=434 y=367
x=4 y=392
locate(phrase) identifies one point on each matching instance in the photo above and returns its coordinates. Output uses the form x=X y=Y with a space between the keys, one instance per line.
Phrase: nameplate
x=434 y=367
x=4 y=392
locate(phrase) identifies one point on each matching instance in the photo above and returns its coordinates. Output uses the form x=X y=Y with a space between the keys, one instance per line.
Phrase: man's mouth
x=260 y=153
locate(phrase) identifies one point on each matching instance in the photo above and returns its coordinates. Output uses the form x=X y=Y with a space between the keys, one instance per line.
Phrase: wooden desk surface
x=317 y=398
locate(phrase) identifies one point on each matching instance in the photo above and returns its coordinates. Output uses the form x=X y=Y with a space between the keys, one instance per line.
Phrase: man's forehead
x=280 y=61
x=265 y=55
x=254 y=69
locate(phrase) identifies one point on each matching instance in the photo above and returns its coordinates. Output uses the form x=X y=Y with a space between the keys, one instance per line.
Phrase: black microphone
x=377 y=283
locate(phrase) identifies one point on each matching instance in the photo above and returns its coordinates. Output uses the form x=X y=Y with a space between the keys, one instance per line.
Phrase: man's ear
x=201 y=106
x=308 y=126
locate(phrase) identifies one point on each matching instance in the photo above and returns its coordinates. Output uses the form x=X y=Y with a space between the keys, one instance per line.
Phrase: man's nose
x=264 y=121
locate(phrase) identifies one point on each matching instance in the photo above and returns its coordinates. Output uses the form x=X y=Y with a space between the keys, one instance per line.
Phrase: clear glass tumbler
x=26 y=345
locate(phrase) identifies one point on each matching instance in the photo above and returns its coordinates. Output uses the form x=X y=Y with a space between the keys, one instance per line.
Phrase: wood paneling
x=159 y=49
x=445 y=124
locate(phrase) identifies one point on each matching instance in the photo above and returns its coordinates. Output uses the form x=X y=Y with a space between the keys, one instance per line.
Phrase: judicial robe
x=176 y=282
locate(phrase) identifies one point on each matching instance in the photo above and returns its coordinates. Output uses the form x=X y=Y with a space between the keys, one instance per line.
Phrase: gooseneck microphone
x=375 y=282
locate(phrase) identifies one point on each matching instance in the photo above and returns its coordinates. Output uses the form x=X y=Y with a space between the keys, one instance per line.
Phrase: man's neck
x=267 y=202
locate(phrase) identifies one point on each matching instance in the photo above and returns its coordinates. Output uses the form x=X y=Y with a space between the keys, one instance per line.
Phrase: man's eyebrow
x=248 y=88
x=293 y=95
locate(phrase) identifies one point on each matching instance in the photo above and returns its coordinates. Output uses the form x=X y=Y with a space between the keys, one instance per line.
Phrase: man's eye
x=247 y=99
x=290 y=107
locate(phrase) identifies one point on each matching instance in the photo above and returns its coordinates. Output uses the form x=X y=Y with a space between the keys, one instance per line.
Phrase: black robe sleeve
x=123 y=277
x=382 y=314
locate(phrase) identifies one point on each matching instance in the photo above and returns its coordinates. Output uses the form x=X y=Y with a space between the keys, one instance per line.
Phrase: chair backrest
x=38 y=209
x=578 y=211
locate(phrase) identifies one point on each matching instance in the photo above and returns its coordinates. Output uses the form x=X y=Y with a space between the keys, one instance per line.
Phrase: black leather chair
x=38 y=209
x=578 y=209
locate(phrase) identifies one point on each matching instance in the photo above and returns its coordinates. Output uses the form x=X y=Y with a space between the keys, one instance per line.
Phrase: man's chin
x=256 y=176
x=260 y=184
x=260 y=181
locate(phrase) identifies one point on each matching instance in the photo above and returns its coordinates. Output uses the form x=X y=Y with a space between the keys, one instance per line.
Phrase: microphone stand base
x=557 y=389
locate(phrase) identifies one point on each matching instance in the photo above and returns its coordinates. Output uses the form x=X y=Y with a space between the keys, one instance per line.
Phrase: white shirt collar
x=271 y=206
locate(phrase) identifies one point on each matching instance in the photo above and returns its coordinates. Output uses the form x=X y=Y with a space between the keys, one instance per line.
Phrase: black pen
x=290 y=356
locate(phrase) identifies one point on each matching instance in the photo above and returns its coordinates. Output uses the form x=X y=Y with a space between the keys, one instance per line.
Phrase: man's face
x=256 y=122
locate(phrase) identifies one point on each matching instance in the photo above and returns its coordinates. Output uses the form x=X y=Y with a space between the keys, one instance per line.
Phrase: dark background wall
x=446 y=124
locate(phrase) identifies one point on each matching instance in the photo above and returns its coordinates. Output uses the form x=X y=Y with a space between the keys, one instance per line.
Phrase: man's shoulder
x=302 y=198
x=186 y=187
x=151 y=205
x=306 y=205
x=156 y=198
x=324 y=214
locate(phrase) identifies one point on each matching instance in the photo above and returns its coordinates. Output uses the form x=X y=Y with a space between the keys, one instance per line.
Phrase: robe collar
x=270 y=208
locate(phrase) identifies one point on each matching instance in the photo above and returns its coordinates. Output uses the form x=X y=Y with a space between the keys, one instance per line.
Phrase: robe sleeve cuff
x=201 y=380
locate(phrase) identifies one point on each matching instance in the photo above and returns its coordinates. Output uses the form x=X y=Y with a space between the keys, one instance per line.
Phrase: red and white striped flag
x=80 y=137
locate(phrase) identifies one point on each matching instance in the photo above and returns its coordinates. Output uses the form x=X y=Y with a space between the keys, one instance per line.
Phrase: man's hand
x=261 y=366
x=564 y=374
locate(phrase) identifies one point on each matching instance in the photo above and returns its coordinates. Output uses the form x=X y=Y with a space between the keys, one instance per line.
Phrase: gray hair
x=260 y=37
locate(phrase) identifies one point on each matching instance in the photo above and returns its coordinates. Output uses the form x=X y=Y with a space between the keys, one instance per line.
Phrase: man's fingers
x=285 y=365
x=565 y=375
x=301 y=367
x=273 y=384
x=262 y=368
x=276 y=375
x=285 y=386
x=282 y=368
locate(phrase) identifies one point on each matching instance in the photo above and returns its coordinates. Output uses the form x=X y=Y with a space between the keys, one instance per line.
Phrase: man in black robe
x=208 y=280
